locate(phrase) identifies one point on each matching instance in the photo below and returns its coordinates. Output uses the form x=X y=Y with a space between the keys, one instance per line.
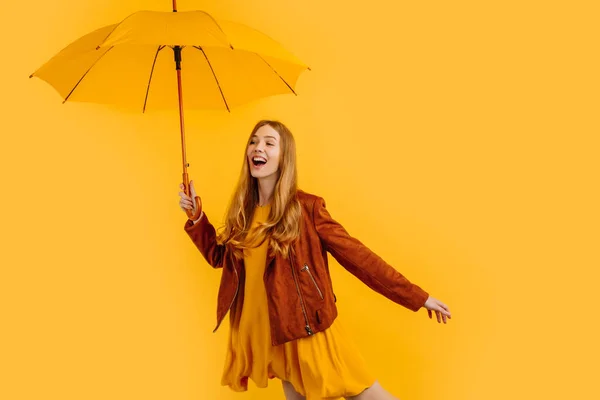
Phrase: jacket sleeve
x=365 y=264
x=204 y=236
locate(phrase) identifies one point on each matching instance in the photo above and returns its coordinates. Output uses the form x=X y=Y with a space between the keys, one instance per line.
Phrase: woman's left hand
x=441 y=310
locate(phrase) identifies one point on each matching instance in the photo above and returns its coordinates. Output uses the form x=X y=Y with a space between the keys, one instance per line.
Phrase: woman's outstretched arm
x=363 y=263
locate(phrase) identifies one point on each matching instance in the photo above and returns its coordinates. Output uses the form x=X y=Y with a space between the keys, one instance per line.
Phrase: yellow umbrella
x=130 y=64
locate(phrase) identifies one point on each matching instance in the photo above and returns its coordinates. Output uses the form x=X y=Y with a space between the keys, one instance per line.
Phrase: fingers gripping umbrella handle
x=190 y=213
x=194 y=216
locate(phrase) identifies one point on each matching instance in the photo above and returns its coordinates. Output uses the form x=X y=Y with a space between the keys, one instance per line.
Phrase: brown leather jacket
x=300 y=293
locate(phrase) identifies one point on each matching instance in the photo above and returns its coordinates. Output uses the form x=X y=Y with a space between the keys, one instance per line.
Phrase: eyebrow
x=267 y=137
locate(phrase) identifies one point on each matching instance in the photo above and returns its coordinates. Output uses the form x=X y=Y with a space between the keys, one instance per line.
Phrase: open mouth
x=258 y=161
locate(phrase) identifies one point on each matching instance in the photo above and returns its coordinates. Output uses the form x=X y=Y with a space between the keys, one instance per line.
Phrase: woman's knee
x=374 y=392
x=290 y=392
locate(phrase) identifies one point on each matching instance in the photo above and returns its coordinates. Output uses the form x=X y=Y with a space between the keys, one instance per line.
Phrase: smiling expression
x=263 y=153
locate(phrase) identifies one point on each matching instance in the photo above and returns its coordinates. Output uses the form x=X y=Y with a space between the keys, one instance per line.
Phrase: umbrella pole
x=186 y=183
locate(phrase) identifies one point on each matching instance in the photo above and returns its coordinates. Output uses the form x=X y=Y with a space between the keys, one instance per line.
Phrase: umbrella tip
x=309 y=68
x=230 y=45
x=31 y=76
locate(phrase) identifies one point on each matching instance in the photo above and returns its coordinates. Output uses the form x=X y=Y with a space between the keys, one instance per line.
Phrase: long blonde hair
x=282 y=225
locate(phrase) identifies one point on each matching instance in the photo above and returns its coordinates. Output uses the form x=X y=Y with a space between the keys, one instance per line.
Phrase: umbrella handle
x=188 y=191
x=194 y=216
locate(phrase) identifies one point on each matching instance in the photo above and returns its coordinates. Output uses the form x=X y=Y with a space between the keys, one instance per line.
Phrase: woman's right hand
x=186 y=202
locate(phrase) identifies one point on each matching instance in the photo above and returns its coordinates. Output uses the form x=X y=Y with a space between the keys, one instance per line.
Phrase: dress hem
x=346 y=394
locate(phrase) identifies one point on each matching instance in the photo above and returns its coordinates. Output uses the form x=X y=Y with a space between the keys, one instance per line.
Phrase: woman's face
x=263 y=153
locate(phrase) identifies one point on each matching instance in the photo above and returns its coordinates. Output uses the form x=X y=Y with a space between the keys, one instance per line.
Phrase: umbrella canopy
x=131 y=64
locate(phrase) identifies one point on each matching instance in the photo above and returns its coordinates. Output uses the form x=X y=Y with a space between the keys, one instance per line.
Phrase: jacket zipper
x=305 y=268
x=307 y=327
x=232 y=300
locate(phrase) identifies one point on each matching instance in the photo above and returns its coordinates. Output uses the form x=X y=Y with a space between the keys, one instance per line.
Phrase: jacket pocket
x=306 y=269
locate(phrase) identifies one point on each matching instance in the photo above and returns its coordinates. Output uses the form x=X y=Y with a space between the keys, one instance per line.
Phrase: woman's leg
x=290 y=392
x=375 y=392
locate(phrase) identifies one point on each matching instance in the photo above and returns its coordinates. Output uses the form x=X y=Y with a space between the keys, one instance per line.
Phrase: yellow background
x=458 y=140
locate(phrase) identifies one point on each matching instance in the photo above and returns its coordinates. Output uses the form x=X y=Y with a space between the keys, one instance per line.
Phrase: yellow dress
x=325 y=365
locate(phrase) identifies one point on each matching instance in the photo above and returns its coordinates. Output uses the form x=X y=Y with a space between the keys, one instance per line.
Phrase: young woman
x=275 y=280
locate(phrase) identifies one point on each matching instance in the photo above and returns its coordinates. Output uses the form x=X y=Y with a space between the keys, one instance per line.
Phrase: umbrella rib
x=218 y=26
x=277 y=73
x=86 y=72
x=160 y=47
x=214 y=75
x=114 y=29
